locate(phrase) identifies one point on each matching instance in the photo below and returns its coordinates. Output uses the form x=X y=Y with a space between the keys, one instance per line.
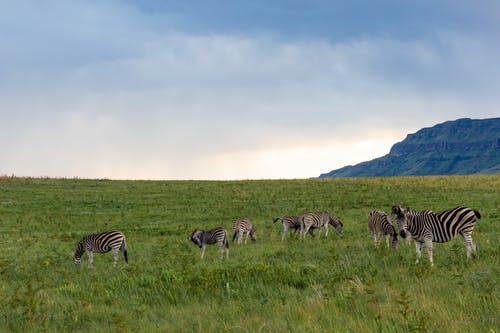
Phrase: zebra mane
x=410 y=211
x=196 y=231
x=79 y=249
x=335 y=221
x=413 y=212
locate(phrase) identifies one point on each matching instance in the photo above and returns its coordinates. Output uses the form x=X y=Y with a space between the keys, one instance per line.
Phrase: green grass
x=340 y=284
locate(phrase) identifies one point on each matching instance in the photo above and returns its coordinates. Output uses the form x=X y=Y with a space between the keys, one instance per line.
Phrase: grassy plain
x=338 y=284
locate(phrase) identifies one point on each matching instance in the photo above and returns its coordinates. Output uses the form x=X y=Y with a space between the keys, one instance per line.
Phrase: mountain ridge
x=457 y=147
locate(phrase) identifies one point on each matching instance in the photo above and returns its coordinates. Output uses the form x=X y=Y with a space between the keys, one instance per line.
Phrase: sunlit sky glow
x=234 y=89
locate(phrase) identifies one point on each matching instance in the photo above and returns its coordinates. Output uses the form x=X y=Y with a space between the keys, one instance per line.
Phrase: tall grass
x=339 y=283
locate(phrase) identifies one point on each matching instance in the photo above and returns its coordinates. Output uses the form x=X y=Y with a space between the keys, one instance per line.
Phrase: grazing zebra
x=216 y=235
x=101 y=243
x=243 y=226
x=290 y=221
x=318 y=220
x=379 y=225
x=427 y=227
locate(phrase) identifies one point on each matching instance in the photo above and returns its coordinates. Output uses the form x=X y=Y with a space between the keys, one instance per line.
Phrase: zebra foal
x=243 y=226
x=101 y=243
x=216 y=235
x=426 y=227
x=379 y=226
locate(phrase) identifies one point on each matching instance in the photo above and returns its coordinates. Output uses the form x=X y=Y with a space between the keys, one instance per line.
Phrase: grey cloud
x=85 y=101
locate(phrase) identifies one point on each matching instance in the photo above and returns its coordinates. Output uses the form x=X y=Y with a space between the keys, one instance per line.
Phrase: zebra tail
x=123 y=248
x=276 y=219
x=234 y=236
x=227 y=243
x=477 y=214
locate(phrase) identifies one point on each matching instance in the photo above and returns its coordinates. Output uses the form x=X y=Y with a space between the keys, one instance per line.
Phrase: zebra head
x=196 y=237
x=399 y=214
x=77 y=255
x=337 y=224
x=76 y=260
x=395 y=241
x=253 y=237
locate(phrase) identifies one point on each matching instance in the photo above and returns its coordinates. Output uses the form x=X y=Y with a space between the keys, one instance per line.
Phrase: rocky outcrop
x=463 y=146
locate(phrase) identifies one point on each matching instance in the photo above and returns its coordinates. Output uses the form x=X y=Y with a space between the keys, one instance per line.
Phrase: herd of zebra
x=424 y=227
x=243 y=227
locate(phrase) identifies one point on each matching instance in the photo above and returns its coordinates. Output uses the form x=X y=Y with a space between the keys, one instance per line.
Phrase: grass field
x=338 y=284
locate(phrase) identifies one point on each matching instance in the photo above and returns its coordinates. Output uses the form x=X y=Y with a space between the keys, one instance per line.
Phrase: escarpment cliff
x=460 y=147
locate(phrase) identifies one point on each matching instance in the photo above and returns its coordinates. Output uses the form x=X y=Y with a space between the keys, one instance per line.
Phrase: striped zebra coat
x=379 y=226
x=216 y=235
x=426 y=227
x=243 y=227
x=101 y=243
x=290 y=222
x=318 y=220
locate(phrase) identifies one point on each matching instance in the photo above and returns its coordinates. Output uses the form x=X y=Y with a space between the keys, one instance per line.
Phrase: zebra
x=288 y=222
x=101 y=243
x=216 y=235
x=243 y=226
x=379 y=225
x=318 y=220
x=427 y=226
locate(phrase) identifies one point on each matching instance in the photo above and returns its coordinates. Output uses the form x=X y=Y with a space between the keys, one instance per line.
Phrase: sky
x=241 y=89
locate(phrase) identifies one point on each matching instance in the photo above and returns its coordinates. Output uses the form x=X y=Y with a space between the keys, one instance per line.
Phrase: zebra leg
x=471 y=247
x=418 y=248
x=91 y=258
x=306 y=230
x=223 y=247
x=387 y=240
x=246 y=236
x=428 y=244
x=283 y=234
x=326 y=230
x=378 y=238
x=202 y=250
x=303 y=229
x=115 y=255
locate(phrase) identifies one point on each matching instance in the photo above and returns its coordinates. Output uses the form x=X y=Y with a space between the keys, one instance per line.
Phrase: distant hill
x=459 y=147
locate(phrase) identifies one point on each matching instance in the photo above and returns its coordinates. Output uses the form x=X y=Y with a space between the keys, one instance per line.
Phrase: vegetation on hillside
x=460 y=147
x=340 y=283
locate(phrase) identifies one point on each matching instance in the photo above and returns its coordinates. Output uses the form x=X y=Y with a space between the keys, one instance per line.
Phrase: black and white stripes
x=426 y=227
x=318 y=220
x=379 y=226
x=289 y=222
x=243 y=227
x=101 y=243
x=216 y=235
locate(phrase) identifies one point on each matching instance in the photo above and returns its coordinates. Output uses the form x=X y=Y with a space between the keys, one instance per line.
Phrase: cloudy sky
x=234 y=89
